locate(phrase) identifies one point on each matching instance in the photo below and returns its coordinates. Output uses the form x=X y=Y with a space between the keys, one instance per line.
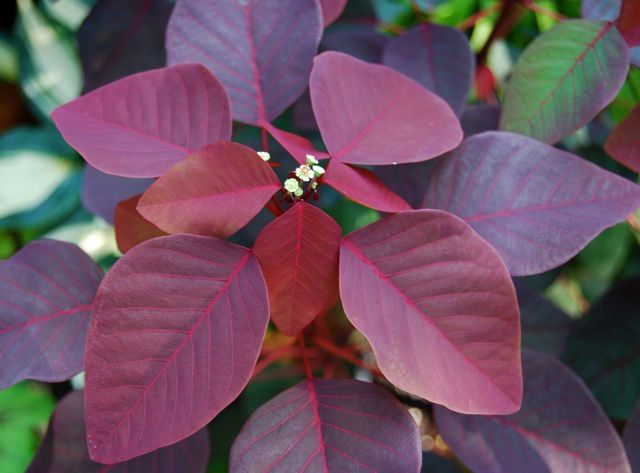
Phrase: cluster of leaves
x=471 y=197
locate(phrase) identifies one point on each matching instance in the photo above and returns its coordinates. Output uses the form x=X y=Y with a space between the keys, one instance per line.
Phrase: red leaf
x=177 y=328
x=439 y=309
x=623 y=143
x=537 y=205
x=46 y=297
x=331 y=10
x=363 y=186
x=358 y=107
x=215 y=191
x=298 y=254
x=329 y=425
x=297 y=146
x=629 y=22
x=437 y=57
x=560 y=427
x=264 y=66
x=64 y=448
x=141 y=125
x=131 y=227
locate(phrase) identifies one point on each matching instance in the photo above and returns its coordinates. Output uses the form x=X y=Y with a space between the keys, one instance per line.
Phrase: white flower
x=298 y=192
x=264 y=155
x=318 y=170
x=313 y=186
x=311 y=159
x=305 y=173
x=291 y=185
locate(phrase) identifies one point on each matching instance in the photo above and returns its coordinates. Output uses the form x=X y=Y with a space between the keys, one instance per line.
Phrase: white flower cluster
x=308 y=172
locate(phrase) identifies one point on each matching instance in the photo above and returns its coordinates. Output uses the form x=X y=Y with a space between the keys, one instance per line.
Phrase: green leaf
x=564 y=78
x=24 y=411
x=70 y=13
x=50 y=72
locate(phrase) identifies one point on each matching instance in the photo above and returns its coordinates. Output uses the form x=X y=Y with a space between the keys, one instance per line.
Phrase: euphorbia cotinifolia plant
x=174 y=329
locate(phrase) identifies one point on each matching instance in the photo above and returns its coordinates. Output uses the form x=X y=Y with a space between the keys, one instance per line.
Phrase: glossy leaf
x=438 y=308
x=177 y=328
x=537 y=205
x=122 y=37
x=176 y=110
x=363 y=187
x=264 y=66
x=46 y=297
x=578 y=66
x=545 y=327
x=131 y=228
x=331 y=10
x=102 y=192
x=298 y=254
x=438 y=57
x=215 y=191
x=64 y=449
x=297 y=146
x=623 y=144
x=378 y=98
x=560 y=427
x=604 y=349
x=322 y=425
x=631 y=438
x=364 y=42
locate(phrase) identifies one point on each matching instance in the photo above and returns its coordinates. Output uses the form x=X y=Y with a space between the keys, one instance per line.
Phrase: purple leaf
x=537 y=205
x=601 y=10
x=228 y=182
x=480 y=117
x=623 y=144
x=439 y=309
x=46 y=297
x=544 y=326
x=409 y=181
x=560 y=427
x=364 y=42
x=631 y=439
x=141 y=125
x=122 y=37
x=363 y=186
x=177 y=328
x=589 y=63
x=298 y=254
x=102 y=192
x=64 y=448
x=263 y=65
x=377 y=99
x=297 y=146
x=331 y=10
x=323 y=425
x=438 y=57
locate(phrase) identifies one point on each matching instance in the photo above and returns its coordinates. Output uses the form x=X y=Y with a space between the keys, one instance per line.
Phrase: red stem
x=305 y=359
x=530 y=4
x=339 y=352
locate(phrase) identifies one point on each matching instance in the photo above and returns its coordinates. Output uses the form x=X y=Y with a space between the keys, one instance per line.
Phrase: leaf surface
x=560 y=427
x=438 y=308
x=298 y=254
x=361 y=41
x=331 y=10
x=323 y=425
x=564 y=78
x=297 y=146
x=437 y=57
x=263 y=65
x=131 y=228
x=631 y=438
x=358 y=107
x=215 y=191
x=122 y=37
x=141 y=125
x=363 y=186
x=537 y=205
x=177 y=328
x=623 y=144
x=46 y=297
x=64 y=448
